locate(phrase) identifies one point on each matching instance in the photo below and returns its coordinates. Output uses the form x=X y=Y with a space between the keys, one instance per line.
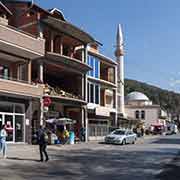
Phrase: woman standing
x=3 y=135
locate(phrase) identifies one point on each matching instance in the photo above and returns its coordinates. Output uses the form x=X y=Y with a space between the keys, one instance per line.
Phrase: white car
x=120 y=136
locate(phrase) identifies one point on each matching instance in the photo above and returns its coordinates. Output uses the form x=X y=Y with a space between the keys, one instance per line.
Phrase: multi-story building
x=102 y=90
x=58 y=63
x=19 y=96
x=45 y=58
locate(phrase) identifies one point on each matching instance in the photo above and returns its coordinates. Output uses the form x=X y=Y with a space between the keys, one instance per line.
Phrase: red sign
x=47 y=101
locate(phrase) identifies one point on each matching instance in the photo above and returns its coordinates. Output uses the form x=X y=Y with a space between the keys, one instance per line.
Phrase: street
x=149 y=159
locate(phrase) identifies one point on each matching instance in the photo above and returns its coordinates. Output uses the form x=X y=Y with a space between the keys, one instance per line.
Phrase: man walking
x=42 y=141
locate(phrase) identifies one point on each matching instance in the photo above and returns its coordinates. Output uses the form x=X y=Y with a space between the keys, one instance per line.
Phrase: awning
x=61 y=121
x=68 y=101
x=69 y=29
x=68 y=62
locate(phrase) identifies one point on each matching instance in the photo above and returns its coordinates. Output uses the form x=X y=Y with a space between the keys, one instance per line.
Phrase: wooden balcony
x=68 y=63
x=17 y=43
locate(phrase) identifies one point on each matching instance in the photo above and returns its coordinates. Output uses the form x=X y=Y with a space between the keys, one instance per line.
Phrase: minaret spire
x=119 y=42
x=119 y=53
x=119 y=37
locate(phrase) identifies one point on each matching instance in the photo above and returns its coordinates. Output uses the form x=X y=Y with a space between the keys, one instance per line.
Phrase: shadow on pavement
x=87 y=164
x=22 y=159
x=167 y=141
x=171 y=170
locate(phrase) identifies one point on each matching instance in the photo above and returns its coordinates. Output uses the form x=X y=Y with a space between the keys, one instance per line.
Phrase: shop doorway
x=14 y=126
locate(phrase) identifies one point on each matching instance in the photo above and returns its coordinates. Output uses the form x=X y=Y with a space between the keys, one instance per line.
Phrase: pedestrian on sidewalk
x=42 y=141
x=3 y=135
x=142 y=131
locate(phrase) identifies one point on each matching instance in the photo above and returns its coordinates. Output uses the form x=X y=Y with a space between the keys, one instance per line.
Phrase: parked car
x=120 y=136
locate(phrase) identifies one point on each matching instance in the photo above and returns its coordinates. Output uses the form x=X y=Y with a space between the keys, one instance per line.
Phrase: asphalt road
x=149 y=159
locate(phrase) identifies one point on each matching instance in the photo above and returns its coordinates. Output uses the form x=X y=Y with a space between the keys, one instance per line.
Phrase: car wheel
x=123 y=142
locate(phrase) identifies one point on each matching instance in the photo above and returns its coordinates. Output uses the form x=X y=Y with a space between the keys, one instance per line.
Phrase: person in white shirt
x=3 y=135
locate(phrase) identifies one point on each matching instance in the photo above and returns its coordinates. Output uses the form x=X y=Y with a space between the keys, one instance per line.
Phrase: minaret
x=119 y=53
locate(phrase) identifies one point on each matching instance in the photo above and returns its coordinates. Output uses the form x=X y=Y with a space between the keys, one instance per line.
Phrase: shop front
x=12 y=115
x=100 y=122
x=65 y=114
x=17 y=114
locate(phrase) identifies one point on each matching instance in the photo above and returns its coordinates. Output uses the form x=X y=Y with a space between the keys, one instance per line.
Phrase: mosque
x=139 y=107
x=136 y=108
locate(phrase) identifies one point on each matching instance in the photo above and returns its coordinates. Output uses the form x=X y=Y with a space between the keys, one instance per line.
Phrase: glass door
x=8 y=121
x=19 y=128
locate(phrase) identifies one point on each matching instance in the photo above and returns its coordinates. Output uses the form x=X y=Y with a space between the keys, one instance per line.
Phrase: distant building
x=139 y=107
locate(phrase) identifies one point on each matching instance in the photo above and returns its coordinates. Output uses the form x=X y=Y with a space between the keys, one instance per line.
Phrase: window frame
x=143 y=114
x=94 y=93
x=137 y=114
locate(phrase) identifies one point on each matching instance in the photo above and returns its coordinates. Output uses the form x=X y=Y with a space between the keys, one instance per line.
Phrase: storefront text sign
x=102 y=111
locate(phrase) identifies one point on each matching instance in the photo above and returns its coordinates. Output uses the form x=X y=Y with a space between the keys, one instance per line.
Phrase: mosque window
x=137 y=114
x=142 y=114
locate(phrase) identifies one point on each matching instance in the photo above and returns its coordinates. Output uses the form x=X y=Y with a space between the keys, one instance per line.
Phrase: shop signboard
x=102 y=111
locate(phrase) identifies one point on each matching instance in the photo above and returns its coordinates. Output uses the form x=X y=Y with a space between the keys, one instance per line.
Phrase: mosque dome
x=136 y=96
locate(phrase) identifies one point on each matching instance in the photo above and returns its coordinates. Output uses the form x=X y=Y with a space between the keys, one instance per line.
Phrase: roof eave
x=69 y=29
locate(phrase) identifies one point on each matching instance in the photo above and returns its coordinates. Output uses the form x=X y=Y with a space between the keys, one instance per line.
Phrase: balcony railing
x=18 y=39
x=20 y=87
x=57 y=91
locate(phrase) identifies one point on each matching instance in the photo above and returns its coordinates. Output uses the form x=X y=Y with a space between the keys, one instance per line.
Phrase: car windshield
x=119 y=132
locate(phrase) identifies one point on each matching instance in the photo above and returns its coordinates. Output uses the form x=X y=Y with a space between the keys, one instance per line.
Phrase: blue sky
x=151 y=31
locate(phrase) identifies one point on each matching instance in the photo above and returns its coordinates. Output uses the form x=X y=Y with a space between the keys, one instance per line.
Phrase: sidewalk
x=26 y=150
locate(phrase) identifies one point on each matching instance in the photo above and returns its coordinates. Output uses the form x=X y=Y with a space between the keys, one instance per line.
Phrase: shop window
x=111 y=74
x=94 y=63
x=6 y=108
x=22 y=72
x=91 y=93
x=137 y=114
x=109 y=100
x=19 y=109
x=96 y=68
x=65 y=50
x=97 y=91
x=88 y=85
x=4 y=72
x=142 y=114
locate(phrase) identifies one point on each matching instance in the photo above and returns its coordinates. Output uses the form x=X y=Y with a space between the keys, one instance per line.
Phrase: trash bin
x=71 y=137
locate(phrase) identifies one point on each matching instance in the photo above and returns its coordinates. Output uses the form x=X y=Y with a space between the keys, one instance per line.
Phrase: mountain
x=168 y=100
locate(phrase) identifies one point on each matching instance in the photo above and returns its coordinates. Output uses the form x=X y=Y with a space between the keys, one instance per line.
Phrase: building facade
x=50 y=68
x=49 y=63
x=140 y=108
x=19 y=96
x=102 y=91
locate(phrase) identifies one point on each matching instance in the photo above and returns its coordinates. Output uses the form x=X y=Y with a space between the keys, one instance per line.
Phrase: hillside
x=167 y=99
